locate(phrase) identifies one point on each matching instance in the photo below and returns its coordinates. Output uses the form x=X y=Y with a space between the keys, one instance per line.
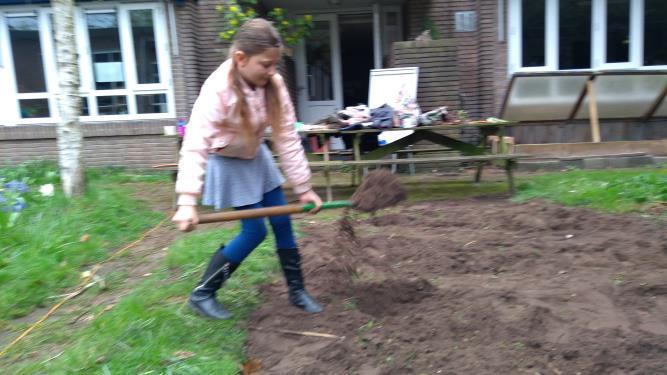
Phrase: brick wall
x=185 y=65
x=481 y=57
x=438 y=70
x=439 y=82
x=136 y=144
x=200 y=49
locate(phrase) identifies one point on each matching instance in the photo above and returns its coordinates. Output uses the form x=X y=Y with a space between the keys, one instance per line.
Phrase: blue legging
x=253 y=231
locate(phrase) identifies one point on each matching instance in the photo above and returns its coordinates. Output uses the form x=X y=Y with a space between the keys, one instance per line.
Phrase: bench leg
x=327 y=175
x=509 y=166
x=411 y=165
x=478 y=174
x=357 y=156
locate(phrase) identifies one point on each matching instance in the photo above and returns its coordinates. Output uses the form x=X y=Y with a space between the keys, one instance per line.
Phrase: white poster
x=390 y=86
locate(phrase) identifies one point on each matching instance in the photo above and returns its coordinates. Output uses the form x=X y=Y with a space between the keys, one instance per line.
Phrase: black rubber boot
x=290 y=260
x=202 y=299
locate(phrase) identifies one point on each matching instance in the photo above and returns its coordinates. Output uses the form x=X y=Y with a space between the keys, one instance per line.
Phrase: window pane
x=618 y=31
x=27 y=51
x=655 y=32
x=144 y=46
x=318 y=58
x=111 y=105
x=156 y=103
x=105 y=49
x=533 y=28
x=390 y=33
x=84 y=106
x=574 y=34
x=34 y=108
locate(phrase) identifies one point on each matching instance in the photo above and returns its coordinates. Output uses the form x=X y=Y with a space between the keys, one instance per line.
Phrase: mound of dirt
x=475 y=287
x=380 y=189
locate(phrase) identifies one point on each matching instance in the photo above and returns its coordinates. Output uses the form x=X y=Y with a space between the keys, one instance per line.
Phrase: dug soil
x=474 y=287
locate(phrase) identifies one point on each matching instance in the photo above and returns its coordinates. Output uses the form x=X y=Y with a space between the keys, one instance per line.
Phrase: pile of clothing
x=406 y=115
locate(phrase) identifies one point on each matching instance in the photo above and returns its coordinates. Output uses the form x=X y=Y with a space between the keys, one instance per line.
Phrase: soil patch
x=380 y=189
x=475 y=287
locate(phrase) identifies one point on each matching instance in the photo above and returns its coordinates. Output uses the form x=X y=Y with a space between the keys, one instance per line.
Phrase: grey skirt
x=235 y=182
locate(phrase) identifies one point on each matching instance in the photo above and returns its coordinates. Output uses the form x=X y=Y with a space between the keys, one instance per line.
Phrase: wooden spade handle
x=267 y=211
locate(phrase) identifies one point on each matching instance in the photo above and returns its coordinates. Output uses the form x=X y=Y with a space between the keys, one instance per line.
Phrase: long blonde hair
x=253 y=38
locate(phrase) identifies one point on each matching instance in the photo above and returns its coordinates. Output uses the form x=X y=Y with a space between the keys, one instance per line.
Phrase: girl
x=224 y=139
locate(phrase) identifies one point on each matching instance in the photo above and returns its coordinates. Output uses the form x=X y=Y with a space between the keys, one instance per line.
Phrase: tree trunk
x=70 y=134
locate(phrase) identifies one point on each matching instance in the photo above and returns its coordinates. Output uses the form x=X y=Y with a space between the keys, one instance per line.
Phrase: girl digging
x=223 y=142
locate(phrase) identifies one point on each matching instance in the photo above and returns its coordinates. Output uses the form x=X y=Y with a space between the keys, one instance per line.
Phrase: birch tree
x=70 y=134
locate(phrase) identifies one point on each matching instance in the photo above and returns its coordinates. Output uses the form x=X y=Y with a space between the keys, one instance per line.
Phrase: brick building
x=142 y=63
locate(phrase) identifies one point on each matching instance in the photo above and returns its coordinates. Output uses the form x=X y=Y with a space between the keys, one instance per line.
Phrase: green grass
x=619 y=190
x=43 y=253
x=148 y=330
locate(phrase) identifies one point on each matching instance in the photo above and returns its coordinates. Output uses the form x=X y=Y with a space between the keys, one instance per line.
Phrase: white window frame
x=8 y=105
x=384 y=11
x=8 y=62
x=635 y=49
x=598 y=38
x=87 y=90
x=550 y=38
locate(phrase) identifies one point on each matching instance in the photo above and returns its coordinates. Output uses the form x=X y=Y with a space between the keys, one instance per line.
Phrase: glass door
x=319 y=70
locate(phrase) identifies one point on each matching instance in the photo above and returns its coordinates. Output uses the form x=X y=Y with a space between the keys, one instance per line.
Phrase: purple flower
x=16 y=186
x=19 y=205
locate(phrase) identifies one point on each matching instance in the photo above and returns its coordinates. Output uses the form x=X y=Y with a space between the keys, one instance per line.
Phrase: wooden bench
x=508 y=160
x=409 y=153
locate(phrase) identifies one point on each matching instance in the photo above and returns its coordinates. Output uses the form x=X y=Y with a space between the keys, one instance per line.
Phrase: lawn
x=150 y=329
x=43 y=251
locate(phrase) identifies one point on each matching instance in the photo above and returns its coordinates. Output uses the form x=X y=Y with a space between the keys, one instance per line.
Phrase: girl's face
x=258 y=69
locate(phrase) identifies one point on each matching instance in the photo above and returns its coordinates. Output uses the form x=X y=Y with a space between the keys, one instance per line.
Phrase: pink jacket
x=213 y=128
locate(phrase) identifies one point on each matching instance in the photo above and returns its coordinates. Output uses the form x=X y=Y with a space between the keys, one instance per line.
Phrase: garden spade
x=380 y=189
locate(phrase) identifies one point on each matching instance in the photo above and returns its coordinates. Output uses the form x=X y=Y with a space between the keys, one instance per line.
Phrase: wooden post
x=509 y=165
x=593 y=112
x=357 y=157
x=327 y=176
x=493 y=140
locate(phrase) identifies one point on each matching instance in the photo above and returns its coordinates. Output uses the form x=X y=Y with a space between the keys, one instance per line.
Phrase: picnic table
x=474 y=153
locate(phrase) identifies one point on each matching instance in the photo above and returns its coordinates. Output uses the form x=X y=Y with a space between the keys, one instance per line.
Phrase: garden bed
x=475 y=286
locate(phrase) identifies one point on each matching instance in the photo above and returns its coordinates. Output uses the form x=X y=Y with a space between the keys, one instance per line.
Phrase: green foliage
x=235 y=13
x=428 y=24
x=620 y=190
x=152 y=331
x=42 y=252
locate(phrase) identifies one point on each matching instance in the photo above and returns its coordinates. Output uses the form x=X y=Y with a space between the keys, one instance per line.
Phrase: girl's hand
x=311 y=197
x=186 y=218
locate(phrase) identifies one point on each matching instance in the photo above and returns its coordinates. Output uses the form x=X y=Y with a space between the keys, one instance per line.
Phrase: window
x=533 y=36
x=125 y=70
x=574 y=45
x=105 y=51
x=547 y=35
x=618 y=31
x=391 y=30
x=144 y=46
x=655 y=32
x=28 y=69
x=318 y=57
